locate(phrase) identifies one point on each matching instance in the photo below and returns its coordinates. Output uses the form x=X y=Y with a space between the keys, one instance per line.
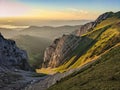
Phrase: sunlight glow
x=11 y=8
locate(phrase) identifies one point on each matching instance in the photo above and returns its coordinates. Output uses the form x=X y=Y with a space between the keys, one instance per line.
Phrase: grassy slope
x=94 y=43
x=104 y=74
x=34 y=46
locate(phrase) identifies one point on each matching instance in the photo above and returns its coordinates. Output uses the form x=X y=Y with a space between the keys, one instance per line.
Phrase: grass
x=63 y=67
x=48 y=71
x=102 y=75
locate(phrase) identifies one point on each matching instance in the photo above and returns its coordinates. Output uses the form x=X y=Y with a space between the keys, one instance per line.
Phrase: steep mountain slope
x=35 y=47
x=94 y=39
x=104 y=74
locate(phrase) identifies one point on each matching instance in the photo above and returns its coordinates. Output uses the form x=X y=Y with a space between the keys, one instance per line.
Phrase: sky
x=56 y=9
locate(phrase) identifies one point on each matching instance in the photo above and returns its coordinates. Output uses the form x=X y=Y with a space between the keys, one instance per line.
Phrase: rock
x=56 y=53
x=11 y=56
x=83 y=29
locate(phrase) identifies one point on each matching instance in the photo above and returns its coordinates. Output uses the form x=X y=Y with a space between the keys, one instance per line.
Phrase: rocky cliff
x=57 y=52
x=62 y=49
x=11 y=56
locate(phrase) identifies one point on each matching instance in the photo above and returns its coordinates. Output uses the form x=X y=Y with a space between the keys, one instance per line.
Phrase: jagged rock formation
x=57 y=53
x=11 y=56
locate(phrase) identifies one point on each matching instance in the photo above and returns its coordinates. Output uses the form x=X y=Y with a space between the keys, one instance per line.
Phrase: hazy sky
x=56 y=9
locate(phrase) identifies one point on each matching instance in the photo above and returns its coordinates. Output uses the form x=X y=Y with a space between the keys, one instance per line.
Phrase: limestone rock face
x=11 y=56
x=56 y=53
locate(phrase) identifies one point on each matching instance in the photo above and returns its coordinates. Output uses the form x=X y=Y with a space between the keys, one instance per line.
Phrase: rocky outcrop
x=56 y=53
x=11 y=56
x=89 y=26
x=83 y=29
x=61 y=49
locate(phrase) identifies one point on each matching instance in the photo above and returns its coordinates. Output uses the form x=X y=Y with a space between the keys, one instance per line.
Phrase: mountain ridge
x=60 y=47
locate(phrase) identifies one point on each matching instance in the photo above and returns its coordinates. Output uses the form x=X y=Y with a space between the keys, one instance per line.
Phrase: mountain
x=35 y=47
x=59 y=49
x=84 y=45
x=87 y=59
x=48 y=31
x=11 y=56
